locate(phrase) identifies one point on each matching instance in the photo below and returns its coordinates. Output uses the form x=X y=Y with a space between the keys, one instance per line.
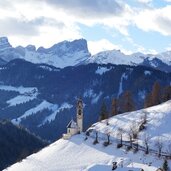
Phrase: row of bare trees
x=133 y=138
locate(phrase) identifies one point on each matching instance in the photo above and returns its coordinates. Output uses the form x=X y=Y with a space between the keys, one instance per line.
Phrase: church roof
x=72 y=124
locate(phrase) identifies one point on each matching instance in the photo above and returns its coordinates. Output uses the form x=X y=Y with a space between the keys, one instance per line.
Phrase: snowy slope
x=158 y=125
x=77 y=154
x=26 y=94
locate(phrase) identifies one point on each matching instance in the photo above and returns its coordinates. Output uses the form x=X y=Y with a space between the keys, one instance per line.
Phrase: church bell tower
x=80 y=114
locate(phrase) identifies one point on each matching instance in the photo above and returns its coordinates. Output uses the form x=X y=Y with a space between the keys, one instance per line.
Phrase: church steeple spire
x=80 y=114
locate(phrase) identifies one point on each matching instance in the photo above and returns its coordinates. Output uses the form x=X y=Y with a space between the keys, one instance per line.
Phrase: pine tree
x=166 y=94
x=156 y=94
x=114 y=110
x=103 y=112
x=148 y=101
x=165 y=165
x=128 y=105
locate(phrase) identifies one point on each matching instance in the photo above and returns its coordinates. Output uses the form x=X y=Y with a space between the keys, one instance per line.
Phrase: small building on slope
x=75 y=127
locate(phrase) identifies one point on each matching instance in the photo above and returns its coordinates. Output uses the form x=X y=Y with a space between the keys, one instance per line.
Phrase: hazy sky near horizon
x=128 y=25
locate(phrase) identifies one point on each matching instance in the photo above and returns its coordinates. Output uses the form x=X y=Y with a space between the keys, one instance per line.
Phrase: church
x=75 y=127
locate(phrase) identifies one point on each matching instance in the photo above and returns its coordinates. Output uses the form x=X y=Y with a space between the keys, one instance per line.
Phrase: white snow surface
x=94 y=96
x=147 y=72
x=21 y=89
x=76 y=154
x=20 y=99
x=25 y=94
x=51 y=117
x=43 y=105
x=123 y=77
x=102 y=70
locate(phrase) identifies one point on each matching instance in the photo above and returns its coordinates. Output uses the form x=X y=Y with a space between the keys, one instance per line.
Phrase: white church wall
x=72 y=131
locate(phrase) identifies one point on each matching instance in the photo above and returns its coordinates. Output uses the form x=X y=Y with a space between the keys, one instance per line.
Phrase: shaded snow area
x=21 y=90
x=43 y=105
x=26 y=94
x=102 y=70
x=51 y=117
x=80 y=154
x=123 y=77
x=48 y=68
x=142 y=94
x=94 y=96
x=147 y=72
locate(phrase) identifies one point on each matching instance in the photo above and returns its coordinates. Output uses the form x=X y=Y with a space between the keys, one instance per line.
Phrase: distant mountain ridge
x=42 y=97
x=76 y=52
x=60 y=55
x=160 y=61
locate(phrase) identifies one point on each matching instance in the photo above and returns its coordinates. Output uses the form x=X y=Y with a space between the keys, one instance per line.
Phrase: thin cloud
x=89 y=8
x=13 y=26
x=158 y=20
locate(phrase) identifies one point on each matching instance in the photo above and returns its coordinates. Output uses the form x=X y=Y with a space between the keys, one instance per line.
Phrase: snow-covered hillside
x=79 y=154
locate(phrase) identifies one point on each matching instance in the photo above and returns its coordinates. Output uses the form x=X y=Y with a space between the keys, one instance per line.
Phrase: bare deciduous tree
x=143 y=121
x=169 y=149
x=146 y=143
x=114 y=108
x=134 y=128
x=136 y=146
x=120 y=135
x=159 y=145
x=130 y=136
x=96 y=138
x=106 y=143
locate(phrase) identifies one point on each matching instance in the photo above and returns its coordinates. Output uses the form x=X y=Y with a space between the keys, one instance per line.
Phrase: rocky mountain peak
x=4 y=43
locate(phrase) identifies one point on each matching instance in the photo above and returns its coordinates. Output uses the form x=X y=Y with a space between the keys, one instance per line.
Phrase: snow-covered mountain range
x=160 y=61
x=76 y=52
x=60 y=55
x=117 y=57
x=80 y=154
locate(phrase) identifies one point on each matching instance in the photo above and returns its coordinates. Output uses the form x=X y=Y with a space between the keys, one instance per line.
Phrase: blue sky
x=131 y=26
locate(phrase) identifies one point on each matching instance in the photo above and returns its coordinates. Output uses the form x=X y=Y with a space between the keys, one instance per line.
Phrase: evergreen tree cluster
x=125 y=102
x=157 y=95
x=16 y=143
